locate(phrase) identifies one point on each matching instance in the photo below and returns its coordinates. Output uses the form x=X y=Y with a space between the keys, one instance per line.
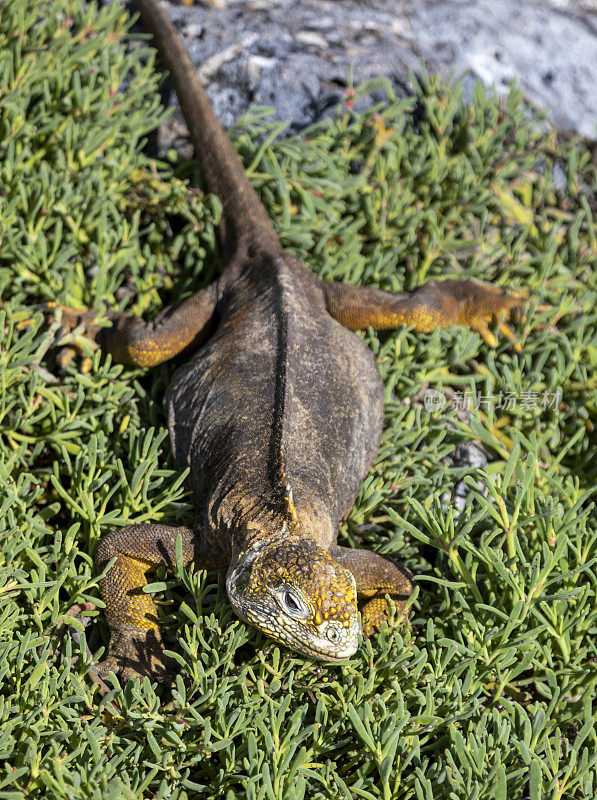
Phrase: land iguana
x=278 y=414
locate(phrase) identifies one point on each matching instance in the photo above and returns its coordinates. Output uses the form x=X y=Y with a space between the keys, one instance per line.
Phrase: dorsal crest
x=290 y=509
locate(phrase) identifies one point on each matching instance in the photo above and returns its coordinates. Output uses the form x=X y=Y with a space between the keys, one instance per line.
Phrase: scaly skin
x=278 y=414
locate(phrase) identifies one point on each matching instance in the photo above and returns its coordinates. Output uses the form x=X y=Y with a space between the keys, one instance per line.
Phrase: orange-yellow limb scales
x=179 y=328
x=135 y=641
x=436 y=304
x=375 y=577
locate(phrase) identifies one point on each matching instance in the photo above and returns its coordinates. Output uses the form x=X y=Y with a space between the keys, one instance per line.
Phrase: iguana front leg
x=436 y=304
x=135 y=647
x=130 y=340
x=375 y=577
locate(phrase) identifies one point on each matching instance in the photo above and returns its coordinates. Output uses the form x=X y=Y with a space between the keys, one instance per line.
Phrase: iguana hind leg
x=436 y=304
x=130 y=340
x=135 y=641
x=375 y=577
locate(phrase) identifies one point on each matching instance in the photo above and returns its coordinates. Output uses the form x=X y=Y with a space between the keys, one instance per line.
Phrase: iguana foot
x=135 y=653
x=376 y=611
x=68 y=320
x=375 y=577
x=476 y=305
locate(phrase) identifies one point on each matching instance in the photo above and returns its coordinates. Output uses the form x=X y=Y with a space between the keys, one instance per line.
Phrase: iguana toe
x=69 y=320
x=377 y=611
x=136 y=653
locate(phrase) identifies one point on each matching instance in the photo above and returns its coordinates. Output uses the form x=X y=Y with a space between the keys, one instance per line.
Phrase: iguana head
x=294 y=591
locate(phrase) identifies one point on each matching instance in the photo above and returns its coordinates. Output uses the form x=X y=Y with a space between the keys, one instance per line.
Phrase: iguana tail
x=244 y=219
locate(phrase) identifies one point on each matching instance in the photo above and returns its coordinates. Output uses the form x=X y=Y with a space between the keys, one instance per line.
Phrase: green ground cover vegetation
x=491 y=692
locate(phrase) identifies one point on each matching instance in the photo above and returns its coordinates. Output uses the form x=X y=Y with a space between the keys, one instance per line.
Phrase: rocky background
x=297 y=55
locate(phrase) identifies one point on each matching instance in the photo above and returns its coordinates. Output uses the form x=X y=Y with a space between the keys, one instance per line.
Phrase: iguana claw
x=135 y=653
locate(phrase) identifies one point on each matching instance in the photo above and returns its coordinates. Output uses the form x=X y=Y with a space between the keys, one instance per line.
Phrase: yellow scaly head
x=295 y=592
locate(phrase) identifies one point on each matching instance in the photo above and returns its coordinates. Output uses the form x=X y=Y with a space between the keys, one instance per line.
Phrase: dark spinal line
x=276 y=449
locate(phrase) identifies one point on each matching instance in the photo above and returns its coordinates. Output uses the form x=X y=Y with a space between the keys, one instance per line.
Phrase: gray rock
x=295 y=55
x=549 y=48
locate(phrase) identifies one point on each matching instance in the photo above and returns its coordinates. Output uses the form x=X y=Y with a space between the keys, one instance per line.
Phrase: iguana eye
x=292 y=603
x=333 y=634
